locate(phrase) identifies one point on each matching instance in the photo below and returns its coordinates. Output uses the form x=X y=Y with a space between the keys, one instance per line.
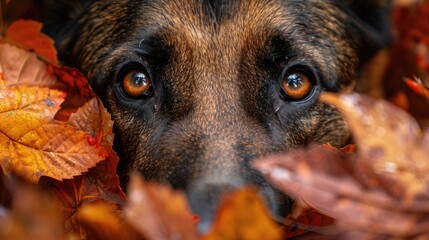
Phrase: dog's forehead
x=196 y=19
x=220 y=35
x=204 y=30
x=210 y=40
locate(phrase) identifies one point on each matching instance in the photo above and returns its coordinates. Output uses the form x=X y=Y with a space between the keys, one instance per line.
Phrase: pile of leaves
x=408 y=57
x=58 y=170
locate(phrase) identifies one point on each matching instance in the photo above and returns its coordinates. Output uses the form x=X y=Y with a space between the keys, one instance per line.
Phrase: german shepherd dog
x=200 y=88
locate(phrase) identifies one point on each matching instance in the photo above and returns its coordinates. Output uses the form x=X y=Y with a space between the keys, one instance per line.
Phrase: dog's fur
x=216 y=68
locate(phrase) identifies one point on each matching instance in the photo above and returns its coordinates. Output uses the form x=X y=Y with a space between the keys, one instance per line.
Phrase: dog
x=198 y=89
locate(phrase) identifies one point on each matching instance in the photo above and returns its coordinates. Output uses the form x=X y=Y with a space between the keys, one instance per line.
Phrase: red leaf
x=418 y=87
x=27 y=34
x=305 y=222
x=74 y=79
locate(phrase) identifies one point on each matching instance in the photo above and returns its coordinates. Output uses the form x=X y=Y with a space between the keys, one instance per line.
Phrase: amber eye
x=136 y=84
x=296 y=86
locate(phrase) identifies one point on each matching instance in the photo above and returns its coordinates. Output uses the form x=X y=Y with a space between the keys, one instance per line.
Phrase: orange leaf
x=418 y=87
x=27 y=34
x=94 y=119
x=158 y=212
x=243 y=215
x=32 y=215
x=104 y=220
x=98 y=185
x=22 y=67
x=32 y=143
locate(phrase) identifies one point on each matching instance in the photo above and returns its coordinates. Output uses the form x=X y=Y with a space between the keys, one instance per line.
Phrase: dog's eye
x=296 y=86
x=136 y=84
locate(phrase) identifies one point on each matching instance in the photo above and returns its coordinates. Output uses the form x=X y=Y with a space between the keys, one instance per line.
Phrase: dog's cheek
x=319 y=123
x=132 y=136
x=331 y=127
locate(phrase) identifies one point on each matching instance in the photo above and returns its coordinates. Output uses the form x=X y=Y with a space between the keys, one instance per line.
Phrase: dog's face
x=198 y=89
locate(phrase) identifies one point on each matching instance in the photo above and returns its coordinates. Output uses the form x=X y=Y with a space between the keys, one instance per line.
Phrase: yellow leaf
x=243 y=215
x=32 y=143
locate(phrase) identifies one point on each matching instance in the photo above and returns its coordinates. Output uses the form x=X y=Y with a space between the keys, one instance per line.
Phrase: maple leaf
x=20 y=67
x=28 y=35
x=158 y=212
x=380 y=191
x=243 y=215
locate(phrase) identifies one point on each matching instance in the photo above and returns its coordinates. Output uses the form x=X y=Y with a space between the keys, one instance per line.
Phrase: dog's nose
x=204 y=199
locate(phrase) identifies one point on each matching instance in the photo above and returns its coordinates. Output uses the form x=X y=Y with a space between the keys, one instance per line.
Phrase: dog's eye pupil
x=297 y=86
x=136 y=84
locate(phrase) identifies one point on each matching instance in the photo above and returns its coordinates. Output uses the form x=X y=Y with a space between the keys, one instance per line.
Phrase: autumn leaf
x=391 y=139
x=21 y=67
x=74 y=79
x=158 y=212
x=32 y=215
x=79 y=91
x=104 y=220
x=97 y=191
x=417 y=86
x=33 y=144
x=308 y=221
x=380 y=191
x=243 y=215
x=28 y=35
x=94 y=119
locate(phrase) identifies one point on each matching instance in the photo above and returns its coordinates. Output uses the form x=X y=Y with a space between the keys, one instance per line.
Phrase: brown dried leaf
x=158 y=212
x=379 y=192
x=98 y=185
x=32 y=215
x=390 y=143
x=104 y=220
